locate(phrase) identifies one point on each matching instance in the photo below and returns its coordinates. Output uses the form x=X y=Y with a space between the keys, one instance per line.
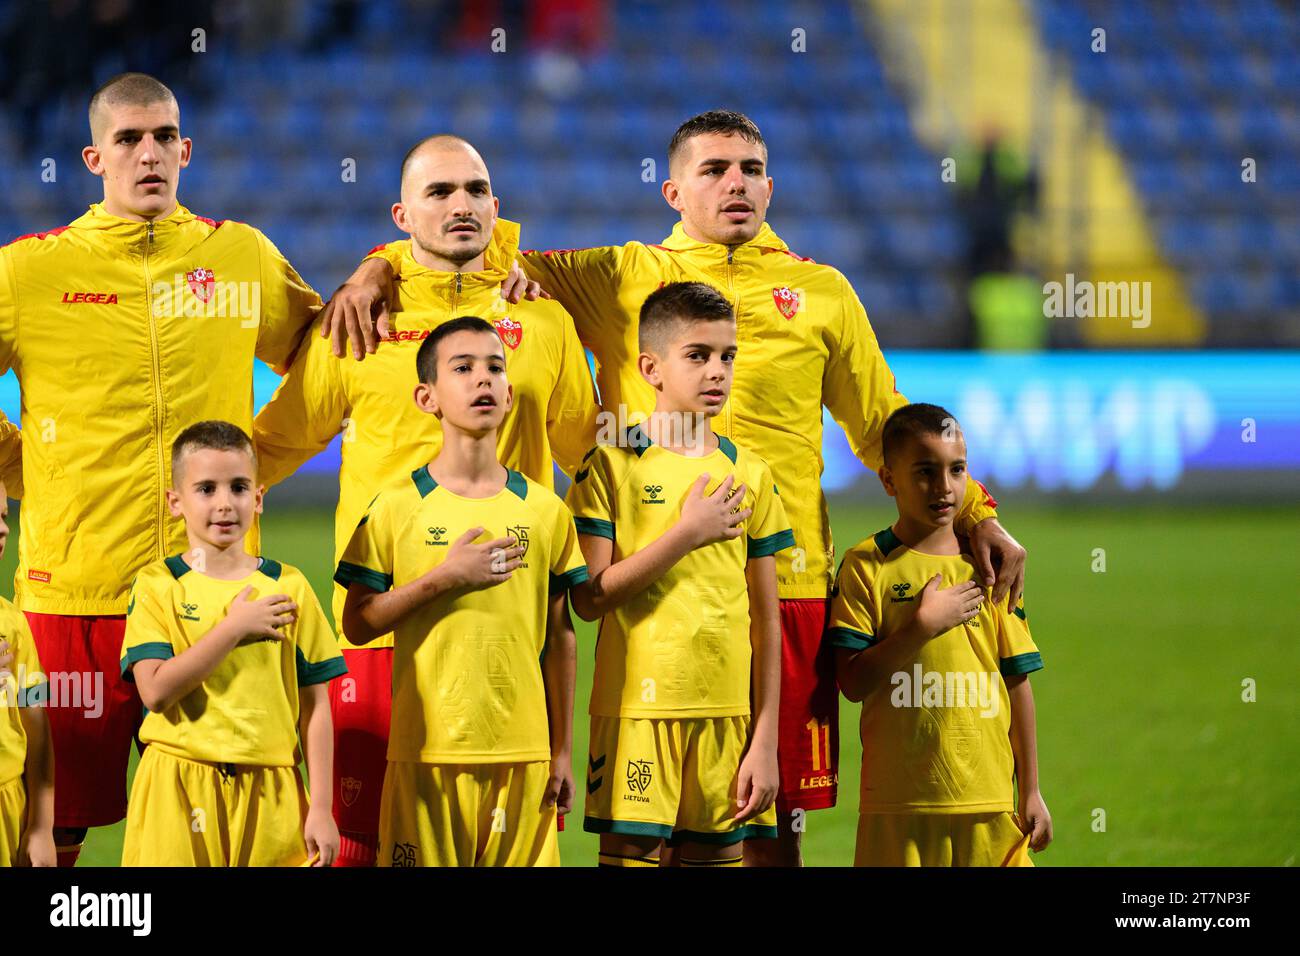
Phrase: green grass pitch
x=1141 y=716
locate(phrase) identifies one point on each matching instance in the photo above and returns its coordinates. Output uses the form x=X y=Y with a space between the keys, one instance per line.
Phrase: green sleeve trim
x=320 y=671
x=762 y=547
x=149 y=651
x=570 y=578
x=424 y=482
x=627 y=827
x=176 y=565
x=516 y=484
x=595 y=526
x=850 y=638
x=1022 y=664
x=887 y=541
x=1020 y=613
x=349 y=573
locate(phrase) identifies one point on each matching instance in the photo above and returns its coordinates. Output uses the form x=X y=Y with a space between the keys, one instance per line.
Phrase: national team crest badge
x=787 y=301
x=201 y=283
x=511 y=332
x=349 y=789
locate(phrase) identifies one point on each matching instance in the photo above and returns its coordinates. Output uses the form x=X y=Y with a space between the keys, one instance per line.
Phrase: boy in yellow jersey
x=942 y=673
x=231 y=654
x=26 y=753
x=680 y=527
x=468 y=564
x=454 y=268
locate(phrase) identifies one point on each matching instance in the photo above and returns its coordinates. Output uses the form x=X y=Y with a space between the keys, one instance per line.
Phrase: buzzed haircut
x=436 y=137
x=727 y=122
x=674 y=305
x=426 y=360
x=912 y=421
x=129 y=89
x=213 y=434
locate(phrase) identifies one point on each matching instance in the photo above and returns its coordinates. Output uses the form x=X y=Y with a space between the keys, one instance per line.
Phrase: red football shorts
x=808 y=738
x=94 y=714
x=360 y=703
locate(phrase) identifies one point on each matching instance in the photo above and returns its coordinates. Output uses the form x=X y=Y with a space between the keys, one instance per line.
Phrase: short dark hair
x=426 y=360
x=675 y=304
x=214 y=434
x=132 y=89
x=436 y=137
x=912 y=421
x=728 y=122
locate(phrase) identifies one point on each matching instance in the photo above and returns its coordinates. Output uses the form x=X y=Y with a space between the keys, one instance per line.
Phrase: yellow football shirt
x=934 y=740
x=467 y=677
x=23 y=685
x=246 y=711
x=680 y=648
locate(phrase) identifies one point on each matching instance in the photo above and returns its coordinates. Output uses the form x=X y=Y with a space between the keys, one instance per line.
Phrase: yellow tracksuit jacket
x=122 y=334
x=385 y=437
x=804 y=341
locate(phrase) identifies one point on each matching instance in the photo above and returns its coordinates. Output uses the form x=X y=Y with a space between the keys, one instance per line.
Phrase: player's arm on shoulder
x=317 y=731
x=163 y=683
x=584 y=281
x=359 y=311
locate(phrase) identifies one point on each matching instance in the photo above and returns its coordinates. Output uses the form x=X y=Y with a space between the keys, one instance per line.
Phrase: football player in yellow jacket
x=805 y=342
x=447 y=205
x=123 y=327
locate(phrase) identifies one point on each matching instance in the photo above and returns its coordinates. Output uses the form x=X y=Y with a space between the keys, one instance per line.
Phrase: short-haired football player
x=468 y=564
x=942 y=672
x=232 y=654
x=680 y=528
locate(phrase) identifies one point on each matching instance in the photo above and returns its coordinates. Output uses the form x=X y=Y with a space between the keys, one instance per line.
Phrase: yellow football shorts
x=192 y=813
x=673 y=779
x=940 y=839
x=477 y=814
x=13 y=817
